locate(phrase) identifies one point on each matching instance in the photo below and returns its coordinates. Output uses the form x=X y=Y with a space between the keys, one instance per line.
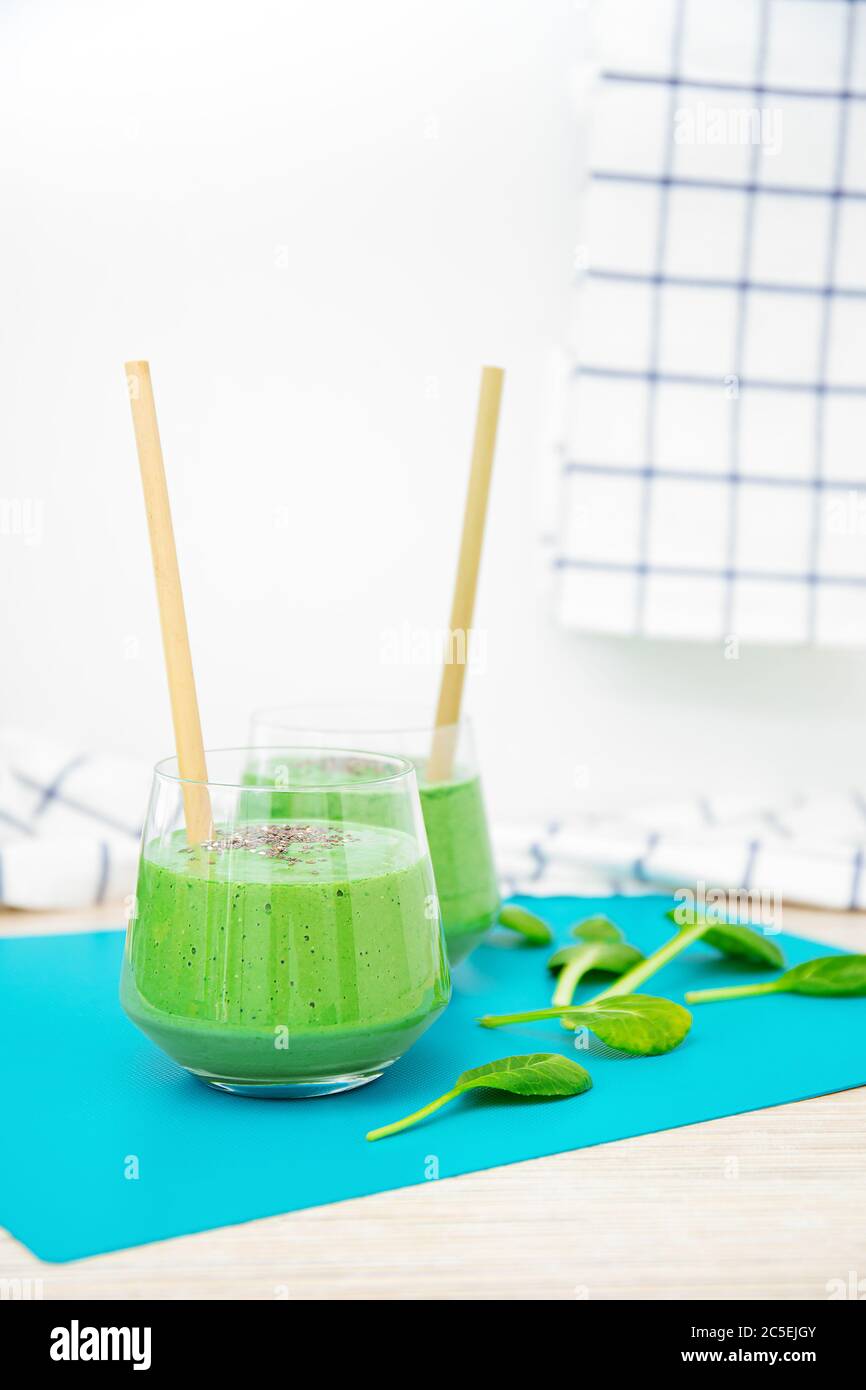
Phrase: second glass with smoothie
x=453 y=807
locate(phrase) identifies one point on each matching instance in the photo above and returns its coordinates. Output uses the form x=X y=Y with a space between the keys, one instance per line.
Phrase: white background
x=317 y=220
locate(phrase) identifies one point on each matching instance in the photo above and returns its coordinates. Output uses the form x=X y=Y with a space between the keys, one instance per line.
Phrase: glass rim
x=403 y=767
x=275 y=716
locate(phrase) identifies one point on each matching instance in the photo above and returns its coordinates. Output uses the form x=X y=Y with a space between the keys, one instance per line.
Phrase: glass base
x=292 y=1090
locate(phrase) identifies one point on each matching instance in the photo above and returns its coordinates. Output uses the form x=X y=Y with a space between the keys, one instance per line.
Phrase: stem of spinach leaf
x=630 y=982
x=527 y=1016
x=705 y=996
x=568 y=980
x=416 y=1115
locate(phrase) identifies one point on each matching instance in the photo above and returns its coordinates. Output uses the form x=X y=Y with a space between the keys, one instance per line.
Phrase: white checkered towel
x=712 y=461
x=70 y=824
x=810 y=850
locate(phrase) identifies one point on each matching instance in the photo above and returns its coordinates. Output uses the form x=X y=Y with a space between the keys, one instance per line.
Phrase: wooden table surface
x=766 y=1205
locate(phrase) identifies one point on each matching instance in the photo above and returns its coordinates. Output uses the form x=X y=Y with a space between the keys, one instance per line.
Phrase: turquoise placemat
x=86 y=1099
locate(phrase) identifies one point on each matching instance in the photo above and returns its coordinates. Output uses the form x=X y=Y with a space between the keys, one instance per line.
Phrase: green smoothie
x=462 y=861
x=454 y=818
x=291 y=951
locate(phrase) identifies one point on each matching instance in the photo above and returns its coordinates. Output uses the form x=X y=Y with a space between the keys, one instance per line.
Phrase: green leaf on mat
x=733 y=939
x=828 y=976
x=597 y=929
x=517 y=919
x=610 y=959
x=641 y=1024
x=730 y=938
x=536 y=1074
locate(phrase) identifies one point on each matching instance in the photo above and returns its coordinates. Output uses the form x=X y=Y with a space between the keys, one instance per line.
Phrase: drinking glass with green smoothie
x=298 y=949
x=453 y=805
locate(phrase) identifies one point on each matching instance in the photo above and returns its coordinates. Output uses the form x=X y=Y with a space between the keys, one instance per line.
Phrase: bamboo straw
x=175 y=638
x=463 y=604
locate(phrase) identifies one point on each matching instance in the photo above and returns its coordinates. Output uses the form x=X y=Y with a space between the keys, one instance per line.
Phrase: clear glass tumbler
x=451 y=799
x=298 y=950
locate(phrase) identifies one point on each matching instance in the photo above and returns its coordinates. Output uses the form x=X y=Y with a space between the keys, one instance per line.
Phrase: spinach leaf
x=731 y=938
x=641 y=1024
x=637 y=1023
x=536 y=1074
x=608 y=959
x=597 y=929
x=734 y=939
x=517 y=919
x=830 y=976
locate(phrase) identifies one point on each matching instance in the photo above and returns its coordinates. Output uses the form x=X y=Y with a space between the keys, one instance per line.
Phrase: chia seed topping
x=280 y=841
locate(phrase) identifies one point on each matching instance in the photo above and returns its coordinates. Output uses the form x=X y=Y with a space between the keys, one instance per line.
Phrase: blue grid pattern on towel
x=68 y=824
x=625 y=571
x=51 y=791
